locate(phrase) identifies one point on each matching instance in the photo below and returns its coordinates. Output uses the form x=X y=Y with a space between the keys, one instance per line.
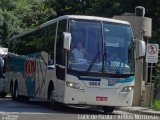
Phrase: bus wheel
x=11 y=89
x=108 y=109
x=51 y=94
x=15 y=93
x=3 y=95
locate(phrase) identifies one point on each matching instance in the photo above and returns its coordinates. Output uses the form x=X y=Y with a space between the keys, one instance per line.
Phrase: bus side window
x=49 y=37
x=51 y=59
x=60 y=55
x=17 y=46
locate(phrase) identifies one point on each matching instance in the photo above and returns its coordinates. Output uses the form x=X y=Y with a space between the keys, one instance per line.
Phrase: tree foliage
x=17 y=16
x=21 y=15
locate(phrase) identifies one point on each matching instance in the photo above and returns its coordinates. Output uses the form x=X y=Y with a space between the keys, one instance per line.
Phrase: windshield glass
x=101 y=47
x=86 y=45
x=118 y=48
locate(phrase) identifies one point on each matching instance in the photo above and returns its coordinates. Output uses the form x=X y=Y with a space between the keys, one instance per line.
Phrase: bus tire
x=108 y=109
x=3 y=95
x=15 y=92
x=51 y=93
x=11 y=89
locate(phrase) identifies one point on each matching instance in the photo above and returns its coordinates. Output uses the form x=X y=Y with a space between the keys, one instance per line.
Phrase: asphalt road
x=33 y=110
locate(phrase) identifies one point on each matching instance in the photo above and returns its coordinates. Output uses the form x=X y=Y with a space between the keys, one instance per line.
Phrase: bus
x=44 y=64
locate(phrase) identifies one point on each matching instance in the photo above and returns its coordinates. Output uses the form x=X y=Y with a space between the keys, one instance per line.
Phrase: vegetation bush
x=156 y=105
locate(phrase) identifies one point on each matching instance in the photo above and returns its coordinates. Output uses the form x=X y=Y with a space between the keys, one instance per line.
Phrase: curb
x=144 y=111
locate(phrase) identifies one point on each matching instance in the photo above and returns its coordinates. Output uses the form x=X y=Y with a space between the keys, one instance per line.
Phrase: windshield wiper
x=94 y=59
x=109 y=62
x=116 y=68
x=104 y=57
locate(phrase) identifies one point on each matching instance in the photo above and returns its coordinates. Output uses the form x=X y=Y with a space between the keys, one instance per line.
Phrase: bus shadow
x=7 y=105
x=61 y=108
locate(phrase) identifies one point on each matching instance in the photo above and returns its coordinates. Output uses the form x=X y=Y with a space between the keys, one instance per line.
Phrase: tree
x=9 y=24
x=34 y=13
x=21 y=15
x=105 y=8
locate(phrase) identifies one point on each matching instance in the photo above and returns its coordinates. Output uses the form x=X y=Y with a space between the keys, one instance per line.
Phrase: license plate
x=101 y=98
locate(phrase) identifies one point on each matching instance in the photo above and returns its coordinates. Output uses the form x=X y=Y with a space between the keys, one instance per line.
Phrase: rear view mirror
x=67 y=40
x=140 y=48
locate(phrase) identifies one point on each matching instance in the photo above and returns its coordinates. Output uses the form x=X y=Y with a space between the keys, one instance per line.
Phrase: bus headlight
x=74 y=85
x=126 y=89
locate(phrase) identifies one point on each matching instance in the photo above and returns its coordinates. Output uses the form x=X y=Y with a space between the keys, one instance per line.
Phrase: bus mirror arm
x=50 y=66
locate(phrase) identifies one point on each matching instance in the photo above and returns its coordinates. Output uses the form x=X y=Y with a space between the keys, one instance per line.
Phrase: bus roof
x=96 y=18
x=72 y=17
x=83 y=17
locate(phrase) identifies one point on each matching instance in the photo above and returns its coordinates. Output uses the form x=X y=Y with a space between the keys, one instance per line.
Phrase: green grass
x=156 y=105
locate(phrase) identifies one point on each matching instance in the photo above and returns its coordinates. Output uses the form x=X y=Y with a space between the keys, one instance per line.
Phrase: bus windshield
x=101 y=47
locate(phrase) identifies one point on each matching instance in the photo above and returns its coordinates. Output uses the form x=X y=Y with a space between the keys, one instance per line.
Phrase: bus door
x=60 y=60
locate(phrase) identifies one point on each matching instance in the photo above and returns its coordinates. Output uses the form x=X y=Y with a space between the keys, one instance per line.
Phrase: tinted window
x=60 y=57
x=15 y=46
x=41 y=40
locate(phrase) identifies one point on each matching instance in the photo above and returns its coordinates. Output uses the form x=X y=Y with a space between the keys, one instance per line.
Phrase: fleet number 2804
x=94 y=83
